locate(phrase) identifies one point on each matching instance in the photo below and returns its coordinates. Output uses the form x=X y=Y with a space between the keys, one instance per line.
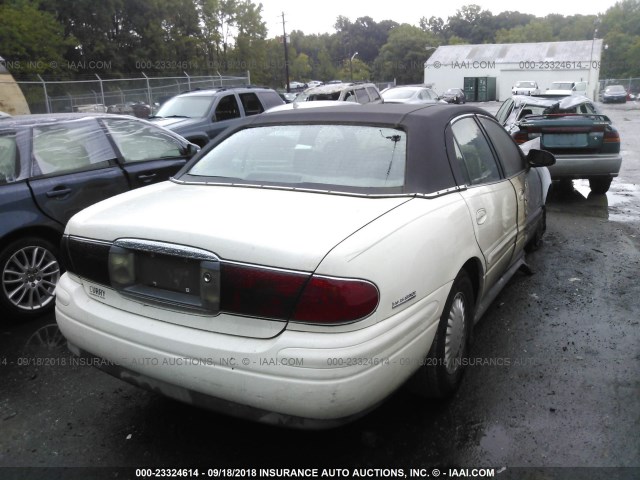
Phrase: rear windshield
x=309 y=155
x=399 y=93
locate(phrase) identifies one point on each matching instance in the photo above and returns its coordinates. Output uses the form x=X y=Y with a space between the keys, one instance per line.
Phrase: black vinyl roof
x=427 y=169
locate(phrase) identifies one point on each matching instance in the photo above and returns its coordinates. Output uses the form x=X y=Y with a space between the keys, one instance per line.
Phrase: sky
x=319 y=16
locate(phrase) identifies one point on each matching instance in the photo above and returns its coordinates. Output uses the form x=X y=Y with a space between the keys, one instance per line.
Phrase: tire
x=536 y=241
x=440 y=375
x=600 y=185
x=29 y=272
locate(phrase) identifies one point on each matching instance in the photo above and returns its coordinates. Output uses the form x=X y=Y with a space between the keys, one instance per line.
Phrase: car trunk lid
x=568 y=133
x=273 y=235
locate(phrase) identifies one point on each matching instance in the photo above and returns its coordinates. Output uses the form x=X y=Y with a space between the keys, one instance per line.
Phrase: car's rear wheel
x=30 y=271
x=442 y=370
x=600 y=184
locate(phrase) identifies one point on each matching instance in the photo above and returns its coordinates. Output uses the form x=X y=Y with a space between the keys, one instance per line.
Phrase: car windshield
x=190 y=107
x=526 y=85
x=562 y=85
x=615 y=89
x=292 y=155
x=399 y=93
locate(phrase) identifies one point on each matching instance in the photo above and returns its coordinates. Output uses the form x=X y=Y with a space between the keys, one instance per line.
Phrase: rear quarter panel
x=412 y=251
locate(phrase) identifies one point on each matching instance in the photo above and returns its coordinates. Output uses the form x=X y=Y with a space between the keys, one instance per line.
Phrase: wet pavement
x=552 y=389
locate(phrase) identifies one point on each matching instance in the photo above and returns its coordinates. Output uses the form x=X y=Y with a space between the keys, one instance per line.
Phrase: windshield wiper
x=170 y=116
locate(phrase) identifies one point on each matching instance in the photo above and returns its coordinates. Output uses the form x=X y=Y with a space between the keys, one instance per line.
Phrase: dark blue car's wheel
x=30 y=271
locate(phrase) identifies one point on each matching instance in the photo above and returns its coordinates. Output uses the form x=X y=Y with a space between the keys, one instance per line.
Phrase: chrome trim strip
x=172 y=249
x=89 y=240
x=327 y=192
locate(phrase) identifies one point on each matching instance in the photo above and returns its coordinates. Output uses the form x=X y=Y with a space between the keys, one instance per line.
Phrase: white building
x=544 y=63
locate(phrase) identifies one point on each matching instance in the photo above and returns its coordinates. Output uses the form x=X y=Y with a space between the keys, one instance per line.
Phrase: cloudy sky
x=319 y=16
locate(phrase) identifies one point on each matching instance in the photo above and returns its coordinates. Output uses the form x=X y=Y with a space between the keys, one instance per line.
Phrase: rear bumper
x=296 y=379
x=585 y=166
x=614 y=100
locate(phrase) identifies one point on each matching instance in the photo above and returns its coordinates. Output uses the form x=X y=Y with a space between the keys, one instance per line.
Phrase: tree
x=250 y=49
x=364 y=36
x=32 y=40
x=300 y=67
x=402 y=57
x=359 y=69
x=473 y=24
x=434 y=25
x=531 y=33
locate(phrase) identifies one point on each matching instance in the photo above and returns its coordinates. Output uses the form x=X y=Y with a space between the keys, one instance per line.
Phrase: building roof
x=576 y=51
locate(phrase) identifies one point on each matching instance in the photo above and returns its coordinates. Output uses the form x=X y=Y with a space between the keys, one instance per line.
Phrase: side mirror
x=191 y=150
x=540 y=158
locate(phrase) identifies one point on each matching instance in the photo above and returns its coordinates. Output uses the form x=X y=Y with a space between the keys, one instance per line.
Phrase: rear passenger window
x=373 y=93
x=251 y=104
x=270 y=99
x=350 y=96
x=139 y=142
x=509 y=153
x=477 y=157
x=73 y=146
x=362 y=96
x=227 y=108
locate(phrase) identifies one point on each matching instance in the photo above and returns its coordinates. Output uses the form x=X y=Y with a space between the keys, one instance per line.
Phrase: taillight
x=521 y=137
x=259 y=291
x=297 y=296
x=329 y=300
x=611 y=136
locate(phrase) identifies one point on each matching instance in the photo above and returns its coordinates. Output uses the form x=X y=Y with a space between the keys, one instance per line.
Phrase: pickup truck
x=200 y=115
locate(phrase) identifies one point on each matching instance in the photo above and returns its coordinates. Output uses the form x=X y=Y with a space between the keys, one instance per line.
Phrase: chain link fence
x=116 y=95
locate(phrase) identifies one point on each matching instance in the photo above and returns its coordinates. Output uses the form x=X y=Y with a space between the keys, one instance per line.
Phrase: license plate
x=181 y=277
x=166 y=272
x=565 y=140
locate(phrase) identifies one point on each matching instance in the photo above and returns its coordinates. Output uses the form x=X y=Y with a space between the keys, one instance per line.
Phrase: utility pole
x=286 y=55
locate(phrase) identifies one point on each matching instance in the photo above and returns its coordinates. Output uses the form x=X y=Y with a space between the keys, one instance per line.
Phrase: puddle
x=618 y=204
x=618 y=194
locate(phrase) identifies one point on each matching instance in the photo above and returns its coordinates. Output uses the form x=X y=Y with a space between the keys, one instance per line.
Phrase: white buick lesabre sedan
x=303 y=266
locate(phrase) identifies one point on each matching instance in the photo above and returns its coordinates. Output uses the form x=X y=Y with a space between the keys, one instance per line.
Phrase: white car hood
x=272 y=227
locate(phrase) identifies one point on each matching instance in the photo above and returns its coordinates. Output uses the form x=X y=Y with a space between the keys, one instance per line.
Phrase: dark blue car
x=53 y=166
